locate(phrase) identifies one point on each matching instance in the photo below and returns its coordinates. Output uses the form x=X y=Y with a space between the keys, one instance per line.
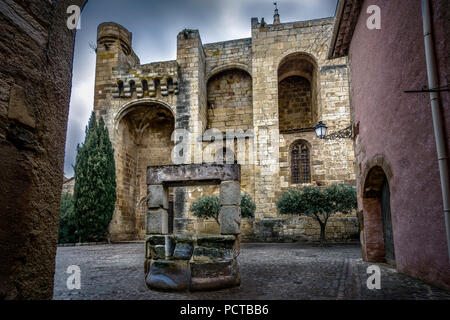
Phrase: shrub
x=248 y=206
x=318 y=203
x=67 y=225
x=208 y=207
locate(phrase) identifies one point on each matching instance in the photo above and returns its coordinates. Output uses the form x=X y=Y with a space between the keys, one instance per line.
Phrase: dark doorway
x=387 y=223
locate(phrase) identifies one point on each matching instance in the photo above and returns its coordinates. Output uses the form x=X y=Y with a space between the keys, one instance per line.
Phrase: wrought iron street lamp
x=321 y=132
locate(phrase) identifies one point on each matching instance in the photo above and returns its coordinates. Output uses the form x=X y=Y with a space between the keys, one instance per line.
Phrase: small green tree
x=318 y=203
x=208 y=207
x=95 y=183
x=67 y=225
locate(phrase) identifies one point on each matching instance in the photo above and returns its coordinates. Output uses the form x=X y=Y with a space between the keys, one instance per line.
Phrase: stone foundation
x=195 y=263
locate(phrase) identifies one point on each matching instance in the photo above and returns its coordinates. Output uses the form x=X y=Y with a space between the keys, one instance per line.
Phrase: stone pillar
x=157 y=214
x=230 y=211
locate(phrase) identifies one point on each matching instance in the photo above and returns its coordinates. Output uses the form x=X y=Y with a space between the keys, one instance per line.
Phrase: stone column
x=230 y=211
x=157 y=214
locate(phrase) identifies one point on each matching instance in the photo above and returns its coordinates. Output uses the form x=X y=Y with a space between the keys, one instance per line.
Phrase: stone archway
x=142 y=138
x=377 y=232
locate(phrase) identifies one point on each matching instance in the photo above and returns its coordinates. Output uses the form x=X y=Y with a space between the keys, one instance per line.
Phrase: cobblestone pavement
x=269 y=271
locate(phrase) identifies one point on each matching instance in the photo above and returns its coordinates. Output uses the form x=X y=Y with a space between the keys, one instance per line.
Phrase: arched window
x=300 y=164
x=132 y=87
x=120 y=87
x=144 y=86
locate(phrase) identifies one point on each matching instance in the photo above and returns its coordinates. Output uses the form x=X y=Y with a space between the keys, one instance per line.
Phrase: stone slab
x=230 y=193
x=157 y=221
x=230 y=220
x=214 y=276
x=192 y=174
x=158 y=197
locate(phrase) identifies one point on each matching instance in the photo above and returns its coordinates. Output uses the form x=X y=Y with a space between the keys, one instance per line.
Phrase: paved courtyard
x=269 y=271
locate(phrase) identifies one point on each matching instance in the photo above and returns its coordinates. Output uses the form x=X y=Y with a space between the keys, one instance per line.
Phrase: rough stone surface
x=230 y=220
x=183 y=251
x=158 y=197
x=36 y=51
x=168 y=275
x=214 y=275
x=268 y=271
x=230 y=193
x=192 y=174
x=157 y=221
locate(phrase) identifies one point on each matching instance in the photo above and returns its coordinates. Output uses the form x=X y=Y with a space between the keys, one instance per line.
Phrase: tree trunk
x=323 y=241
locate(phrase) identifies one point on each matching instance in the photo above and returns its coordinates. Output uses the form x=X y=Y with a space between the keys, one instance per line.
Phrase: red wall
x=398 y=126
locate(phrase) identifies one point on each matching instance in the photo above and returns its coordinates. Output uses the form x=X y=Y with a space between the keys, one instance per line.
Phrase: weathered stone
x=170 y=245
x=209 y=254
x=168 y=275
x=183 y=251
x=159 y=252
x=158 y=197
x=230 y=193
x=19 y=108
x=193 y=174
x=214 y=276
x=156 y=239
x=230 y=220
x=217 y=241
x=157 y=221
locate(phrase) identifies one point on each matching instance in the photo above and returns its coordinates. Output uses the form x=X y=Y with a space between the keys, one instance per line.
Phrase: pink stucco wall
x=398 y=126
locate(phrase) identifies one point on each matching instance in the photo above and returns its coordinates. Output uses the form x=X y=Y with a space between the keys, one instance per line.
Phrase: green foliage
x=208 y=207
x=248 y=206
x=318 y=203
x=95 y=183
x=67 y=226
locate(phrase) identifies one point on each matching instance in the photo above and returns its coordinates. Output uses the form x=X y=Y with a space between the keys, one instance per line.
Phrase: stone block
x=157 y=221
x=230 y=220
x=159 y=252
x=209 y=254
x=168 y=275
x=214 y=275
x=157 y=197
x=216 y=241
x=183 y=251
x=230 y=193
x=156 y=239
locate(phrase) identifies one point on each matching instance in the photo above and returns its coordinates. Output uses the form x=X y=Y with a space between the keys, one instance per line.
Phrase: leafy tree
x=248 y=206
x=67 y=227
x=95 y=183
x=208 y=207
x=318 y=203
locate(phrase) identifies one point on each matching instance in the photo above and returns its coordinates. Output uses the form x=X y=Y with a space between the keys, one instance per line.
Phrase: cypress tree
x=95 y=183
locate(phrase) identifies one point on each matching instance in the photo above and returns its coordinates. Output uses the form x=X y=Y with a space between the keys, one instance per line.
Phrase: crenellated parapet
x=147 y=80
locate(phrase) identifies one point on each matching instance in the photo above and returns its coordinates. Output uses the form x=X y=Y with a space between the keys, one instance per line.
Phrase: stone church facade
x=274 y=87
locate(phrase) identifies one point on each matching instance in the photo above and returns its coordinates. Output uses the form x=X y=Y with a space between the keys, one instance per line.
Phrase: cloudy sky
x=155 y=25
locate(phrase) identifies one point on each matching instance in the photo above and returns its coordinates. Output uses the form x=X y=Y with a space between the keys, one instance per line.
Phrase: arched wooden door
x=387 y=223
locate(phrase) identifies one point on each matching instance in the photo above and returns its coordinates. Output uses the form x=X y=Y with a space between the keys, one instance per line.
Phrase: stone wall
x=36 y=50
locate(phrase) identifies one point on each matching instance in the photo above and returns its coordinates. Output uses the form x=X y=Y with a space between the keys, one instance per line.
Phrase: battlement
x=146 y=80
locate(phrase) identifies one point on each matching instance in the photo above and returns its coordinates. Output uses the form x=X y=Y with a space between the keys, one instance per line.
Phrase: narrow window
x=120 y=87
x=144 y=86
x=300 y=164
x=132 y=87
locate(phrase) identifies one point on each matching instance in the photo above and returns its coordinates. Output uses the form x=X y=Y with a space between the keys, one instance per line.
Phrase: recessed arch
x=230 y=99
x=126 y=108
x=378 y=232
x=226 y=67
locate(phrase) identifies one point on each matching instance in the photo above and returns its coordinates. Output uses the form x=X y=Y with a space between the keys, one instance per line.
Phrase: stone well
x=179 y=262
